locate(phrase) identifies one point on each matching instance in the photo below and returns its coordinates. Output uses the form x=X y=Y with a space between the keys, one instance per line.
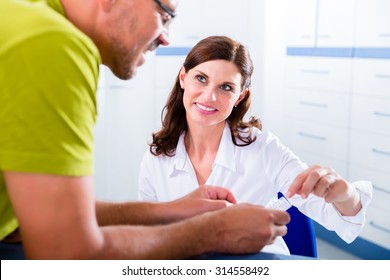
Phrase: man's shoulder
x=25 y=22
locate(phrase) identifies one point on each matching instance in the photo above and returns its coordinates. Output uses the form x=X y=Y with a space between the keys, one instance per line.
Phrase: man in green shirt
x=50 y=52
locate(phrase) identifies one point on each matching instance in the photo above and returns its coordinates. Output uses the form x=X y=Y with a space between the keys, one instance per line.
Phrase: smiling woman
x=216 y=65
x=214 y=93
x=204 y=140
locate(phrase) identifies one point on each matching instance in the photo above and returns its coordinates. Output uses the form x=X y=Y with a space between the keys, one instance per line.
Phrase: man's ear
x=182 y=76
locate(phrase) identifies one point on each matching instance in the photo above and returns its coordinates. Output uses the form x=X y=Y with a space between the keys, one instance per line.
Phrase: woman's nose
x=210 y=93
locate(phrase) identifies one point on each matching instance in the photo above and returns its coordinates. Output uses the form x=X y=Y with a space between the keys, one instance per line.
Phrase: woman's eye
x=201 y=78
x=227 y=88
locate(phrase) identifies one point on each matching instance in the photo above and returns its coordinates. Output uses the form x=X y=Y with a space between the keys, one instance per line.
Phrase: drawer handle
x=380 y=114
x=381 y=189
x=382 y=76
x=308 y=135
x=373 y=224
x=381 y=152
x=314 y=71
x=320 y=105
x=384 y=35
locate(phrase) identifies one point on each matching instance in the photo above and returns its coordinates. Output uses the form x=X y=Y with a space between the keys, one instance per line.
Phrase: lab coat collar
x=226 y=150
x=179 y=160
x=225 y=155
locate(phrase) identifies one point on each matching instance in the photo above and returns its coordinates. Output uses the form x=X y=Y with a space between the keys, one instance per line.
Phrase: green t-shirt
x=48 y=80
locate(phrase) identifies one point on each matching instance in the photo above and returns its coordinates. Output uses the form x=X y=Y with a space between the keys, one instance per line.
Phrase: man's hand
x=245 y=228
x=214 y=193
x=201 y=200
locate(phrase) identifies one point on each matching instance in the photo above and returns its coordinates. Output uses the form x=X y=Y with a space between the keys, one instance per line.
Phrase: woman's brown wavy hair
x=174 y=121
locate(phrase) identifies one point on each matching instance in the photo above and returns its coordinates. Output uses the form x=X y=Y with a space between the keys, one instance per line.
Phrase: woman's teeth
x=205 y=108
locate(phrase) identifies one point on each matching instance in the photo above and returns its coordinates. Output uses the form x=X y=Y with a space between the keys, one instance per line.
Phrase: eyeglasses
x=167 y=18
x=165 y=8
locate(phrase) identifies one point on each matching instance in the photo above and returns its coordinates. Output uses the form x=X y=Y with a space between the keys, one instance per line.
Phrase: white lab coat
x=255 y=174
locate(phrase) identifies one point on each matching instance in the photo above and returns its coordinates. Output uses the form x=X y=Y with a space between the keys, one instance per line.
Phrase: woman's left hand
x=325 y=182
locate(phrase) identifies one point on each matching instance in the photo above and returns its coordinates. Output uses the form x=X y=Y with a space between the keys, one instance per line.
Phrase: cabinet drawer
x=380 y=180
x=341 y=167
x=330 y=32
x=381 y=199
x=185 y=33
x=322 y=73
x=321 y=140
x=301 y=22
x=370 y=150
x=377 y=227
x=323 y=107
x=371 y=77
x=373 y=23
x=371 y=114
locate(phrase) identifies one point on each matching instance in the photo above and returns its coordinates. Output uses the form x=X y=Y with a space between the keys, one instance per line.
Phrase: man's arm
x=55 y=215
x=237 y=229
x=58 y=221
x=203 y=199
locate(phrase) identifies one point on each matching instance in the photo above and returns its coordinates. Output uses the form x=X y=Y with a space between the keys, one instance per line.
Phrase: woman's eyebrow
x=202 y=73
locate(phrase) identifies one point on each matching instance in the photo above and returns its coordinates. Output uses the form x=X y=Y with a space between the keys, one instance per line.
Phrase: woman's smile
x=205 y=109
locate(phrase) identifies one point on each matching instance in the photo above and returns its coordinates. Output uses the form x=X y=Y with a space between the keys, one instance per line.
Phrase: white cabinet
x=371 y=115
x=309 y=157
x=301 y=18
x=201 y=18
x=372 y=77
x=370 y=150
x=317 y=106
x=370 y=142
x=377 y=227
x=321 y=140
x=319 y=73
x=373 y=23
x=335 y=23
x=313 y=23
x=337 y=95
